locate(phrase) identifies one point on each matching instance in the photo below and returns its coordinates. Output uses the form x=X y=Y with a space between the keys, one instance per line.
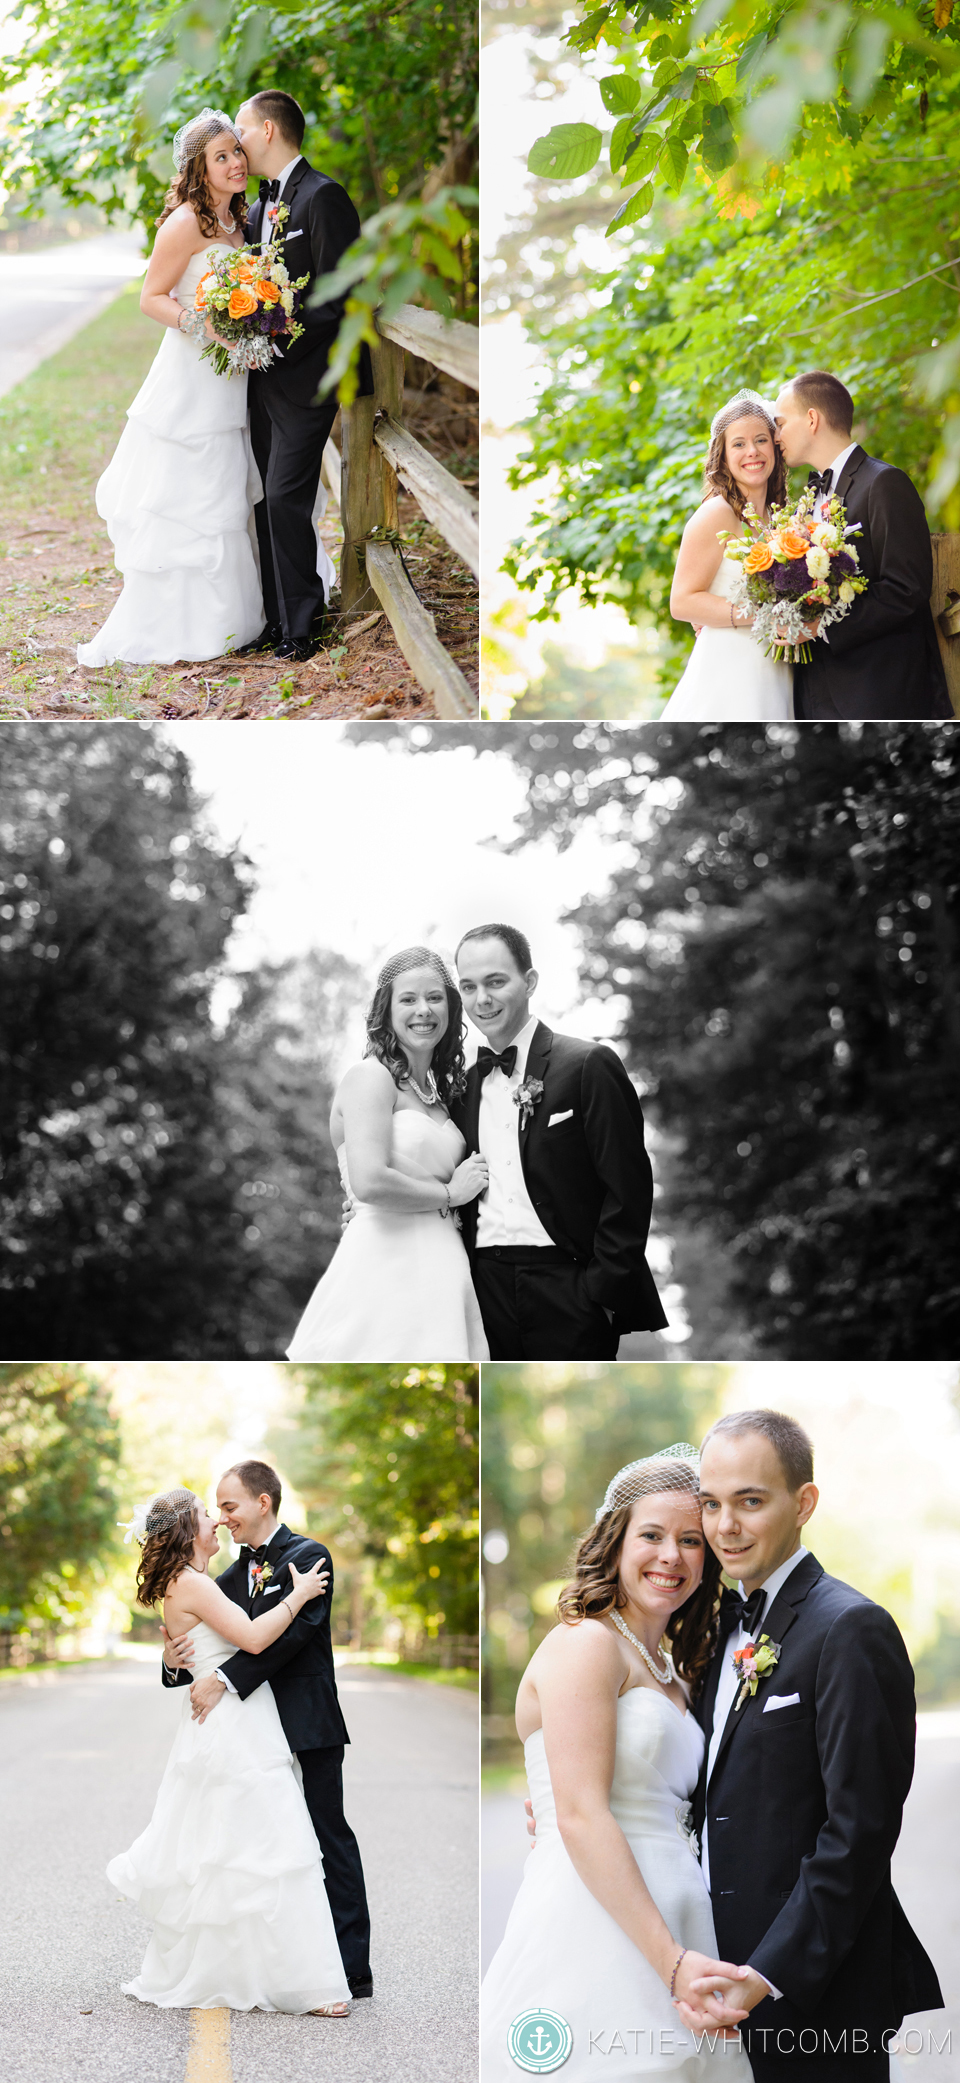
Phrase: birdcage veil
x=676 y=1467
x=163 y=1512
x=199 y=130
x=738 y=407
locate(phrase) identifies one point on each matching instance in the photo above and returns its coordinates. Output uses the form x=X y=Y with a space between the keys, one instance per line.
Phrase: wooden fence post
x=368 y=485
x=946 y=580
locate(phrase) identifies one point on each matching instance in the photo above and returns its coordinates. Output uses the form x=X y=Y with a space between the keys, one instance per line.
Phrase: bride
x=179 y=491
x=228 y=1868
x=728 y=679
x=399 y=1286
x=612 y=1925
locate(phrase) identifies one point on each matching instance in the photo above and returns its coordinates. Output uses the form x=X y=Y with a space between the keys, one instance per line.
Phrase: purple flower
x=844 y=564
x=791 y=579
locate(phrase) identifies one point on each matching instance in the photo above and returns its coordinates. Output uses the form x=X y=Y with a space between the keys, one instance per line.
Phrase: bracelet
x=444 y=1212
x=733 y=614
x=676 y=1969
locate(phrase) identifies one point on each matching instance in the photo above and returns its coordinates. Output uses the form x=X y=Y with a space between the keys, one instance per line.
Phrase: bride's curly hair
x=596 y=1589
x=173 y=1523
x=190 y=185
x=718 y=477
x=447 y=1063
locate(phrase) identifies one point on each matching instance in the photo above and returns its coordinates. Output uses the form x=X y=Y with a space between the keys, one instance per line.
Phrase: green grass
x=460 y=1675
x=60 y=426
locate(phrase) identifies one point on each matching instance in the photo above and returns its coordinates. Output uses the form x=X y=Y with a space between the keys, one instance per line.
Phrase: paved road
x=46 y=297
x=926 y=1875
x=83 y=1752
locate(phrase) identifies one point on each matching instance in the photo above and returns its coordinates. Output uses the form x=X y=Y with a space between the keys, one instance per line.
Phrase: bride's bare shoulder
x=713 y=514
x=368 y=1079
x=586 y=1643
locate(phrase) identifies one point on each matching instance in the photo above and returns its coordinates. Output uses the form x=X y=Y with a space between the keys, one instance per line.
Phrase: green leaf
x=567 y=150
x=628 y=213
x=865 y=63
x=619 y=143
x=619 y=93
x=644 y=159
x=691 y=122
x=586 y=33
x=673 y=162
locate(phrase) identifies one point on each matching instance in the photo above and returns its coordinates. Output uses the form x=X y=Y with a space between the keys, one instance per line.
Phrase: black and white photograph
x=721 y=1670
x=479 y=1043
x=238 y=1702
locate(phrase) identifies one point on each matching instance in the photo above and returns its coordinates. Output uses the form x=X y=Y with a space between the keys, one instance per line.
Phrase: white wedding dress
x=729 y=679
x=398 y=1286
x=563 y=1952
x=228 y=1868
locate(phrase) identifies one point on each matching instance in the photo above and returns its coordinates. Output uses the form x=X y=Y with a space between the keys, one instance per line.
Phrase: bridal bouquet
x=249 y=298
x=795 y=571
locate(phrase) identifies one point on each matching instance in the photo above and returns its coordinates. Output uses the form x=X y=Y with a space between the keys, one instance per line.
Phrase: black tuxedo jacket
x=321 y=225
x=299 y=1665
x=804 y=1808
x=883 y=659
x=589 y=1176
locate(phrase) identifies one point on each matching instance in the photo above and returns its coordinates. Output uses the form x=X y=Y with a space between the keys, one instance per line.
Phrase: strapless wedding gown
x=398 y=1286
x=229 y=1868
x=562 y=1951
x=728 y=679
x=176 y=499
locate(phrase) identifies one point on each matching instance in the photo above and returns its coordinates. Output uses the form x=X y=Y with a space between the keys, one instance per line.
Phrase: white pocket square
x=554 y=1118
x=786 y=1699
x=269 y=1590
x=292 y=235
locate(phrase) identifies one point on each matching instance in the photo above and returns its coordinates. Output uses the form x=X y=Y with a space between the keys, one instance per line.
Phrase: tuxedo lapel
x=777 y=1624
x=471 y=1109
x=538 y=1063
x=848 y=473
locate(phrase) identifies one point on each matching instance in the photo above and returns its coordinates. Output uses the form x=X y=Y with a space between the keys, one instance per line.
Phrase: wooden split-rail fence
x=377 y=455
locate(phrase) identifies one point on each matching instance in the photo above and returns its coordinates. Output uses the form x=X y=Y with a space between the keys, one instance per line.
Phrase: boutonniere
x=526 y=1097
x=261 y=1573
x=752 y=1663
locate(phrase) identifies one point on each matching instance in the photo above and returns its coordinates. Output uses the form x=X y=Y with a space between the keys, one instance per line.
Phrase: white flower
x=818 y=564
x=849 y=550
x=846 y=593
x=286 y=299
x=826 y=536
x=279 y=274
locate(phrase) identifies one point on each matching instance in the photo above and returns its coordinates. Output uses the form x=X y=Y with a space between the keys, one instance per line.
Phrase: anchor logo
x=539 y=2042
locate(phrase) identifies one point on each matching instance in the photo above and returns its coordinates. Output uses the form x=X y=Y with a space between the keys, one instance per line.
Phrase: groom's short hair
x=258 y=1480
x=792 y=1445
x=280 y=109
x=513 y=939
x=823 y=393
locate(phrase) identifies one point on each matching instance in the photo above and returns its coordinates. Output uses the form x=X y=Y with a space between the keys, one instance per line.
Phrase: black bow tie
x=269 y=190
x=740 y=1612
x=257 y=1554
x=821 y=480
x=488 y=1060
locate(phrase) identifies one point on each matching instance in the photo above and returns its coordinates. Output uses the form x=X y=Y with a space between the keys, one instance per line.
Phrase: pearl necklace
x=431 y=1097
x=231 y=227
x=665 y=1677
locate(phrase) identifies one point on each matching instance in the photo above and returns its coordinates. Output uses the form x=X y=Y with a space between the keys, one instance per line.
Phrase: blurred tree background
x=778 y=935
x=386 y=1461
x=778 y=187
x=379 y=1462
x=167 y=1182
x=553 y=1436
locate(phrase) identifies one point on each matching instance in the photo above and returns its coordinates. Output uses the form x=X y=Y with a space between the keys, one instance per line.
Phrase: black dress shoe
x=358 y=1989
x=287 y=648
x=272 y=634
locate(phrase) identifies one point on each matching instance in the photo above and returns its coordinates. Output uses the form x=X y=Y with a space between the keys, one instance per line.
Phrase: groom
x=557 y=1241
x=883 y=659
x=288 y=428
x=300 y=1669
x=800 y=1799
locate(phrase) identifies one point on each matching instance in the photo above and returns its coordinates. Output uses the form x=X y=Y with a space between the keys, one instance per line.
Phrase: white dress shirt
x=506 y=1214
x=836 y=466
x=728 y=1685
x=285 y=176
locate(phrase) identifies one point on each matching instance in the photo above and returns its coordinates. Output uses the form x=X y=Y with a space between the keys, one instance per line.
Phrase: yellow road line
x=208 y=2056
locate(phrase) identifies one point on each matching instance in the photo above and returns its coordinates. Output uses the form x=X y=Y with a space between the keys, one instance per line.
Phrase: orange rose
x=267 y=292
x=759 y=558
x=792 y=543
x=201 y=296
x=246 y=270
x=242 y=303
